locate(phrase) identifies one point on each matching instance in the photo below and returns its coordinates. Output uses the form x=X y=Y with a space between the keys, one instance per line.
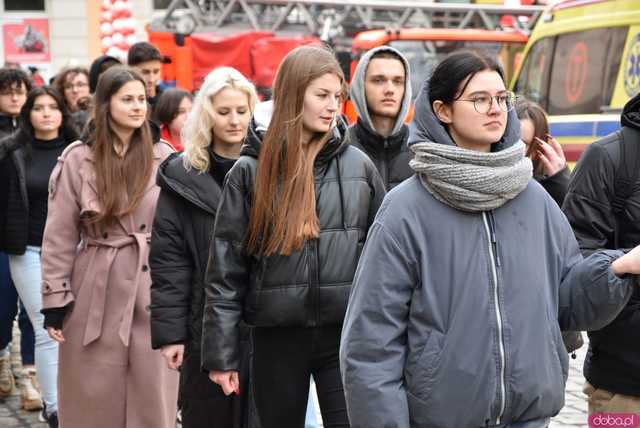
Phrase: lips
x=493 y=123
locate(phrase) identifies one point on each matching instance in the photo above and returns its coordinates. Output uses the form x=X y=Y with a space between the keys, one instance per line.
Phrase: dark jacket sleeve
x=227 y=276
x=378 y=192
x=590 y=294
x=171 y=274
x=373 y=347
x=587 y=204
x=557 y=185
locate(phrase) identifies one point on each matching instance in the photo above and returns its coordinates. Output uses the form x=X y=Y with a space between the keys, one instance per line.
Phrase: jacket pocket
x=561 y=354
x=422 y=376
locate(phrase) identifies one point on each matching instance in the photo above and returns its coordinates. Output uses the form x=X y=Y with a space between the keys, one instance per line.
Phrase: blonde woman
x=191 y=186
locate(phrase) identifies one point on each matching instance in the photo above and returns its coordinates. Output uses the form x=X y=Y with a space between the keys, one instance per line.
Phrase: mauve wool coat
x=108 y=374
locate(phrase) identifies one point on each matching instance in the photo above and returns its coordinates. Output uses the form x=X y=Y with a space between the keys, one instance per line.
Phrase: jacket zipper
x=488 y=220
x=313 y=280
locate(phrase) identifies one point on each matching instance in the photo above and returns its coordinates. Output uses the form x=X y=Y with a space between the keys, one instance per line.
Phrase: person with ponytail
x=291 y=224
x=95 y=274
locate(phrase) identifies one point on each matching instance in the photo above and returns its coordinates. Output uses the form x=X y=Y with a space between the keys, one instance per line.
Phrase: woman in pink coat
x=102 y=198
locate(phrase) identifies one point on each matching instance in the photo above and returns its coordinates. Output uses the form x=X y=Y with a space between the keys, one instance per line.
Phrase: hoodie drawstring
x=344 y=224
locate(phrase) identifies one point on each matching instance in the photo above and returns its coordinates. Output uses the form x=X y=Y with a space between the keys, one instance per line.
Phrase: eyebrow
x=397 y=76
x=486 y=92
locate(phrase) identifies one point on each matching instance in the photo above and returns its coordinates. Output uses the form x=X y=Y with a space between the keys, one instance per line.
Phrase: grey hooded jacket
x=390 y=154
x=454 y=317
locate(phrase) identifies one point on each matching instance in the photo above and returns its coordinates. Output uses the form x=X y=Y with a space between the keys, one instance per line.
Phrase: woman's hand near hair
x=174 y=354
x=229 y=381
x=627 y=264
x=551 y=156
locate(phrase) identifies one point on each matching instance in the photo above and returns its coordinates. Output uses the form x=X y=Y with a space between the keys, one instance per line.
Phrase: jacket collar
x=196 y=187
x=374 y=142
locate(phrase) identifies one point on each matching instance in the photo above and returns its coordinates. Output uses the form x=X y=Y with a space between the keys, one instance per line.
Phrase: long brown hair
x=121 y=181
x=283 y=214
x=526 y=109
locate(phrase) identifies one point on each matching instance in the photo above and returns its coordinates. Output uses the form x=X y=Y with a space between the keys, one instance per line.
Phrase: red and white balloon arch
x=117 y=28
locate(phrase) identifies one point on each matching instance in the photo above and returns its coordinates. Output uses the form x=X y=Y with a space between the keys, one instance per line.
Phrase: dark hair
x=99 y=66
x=26 y=133
x=526 y=109
x=120 y=181
x=143 y=52
x=387 y=54
x=10 y=77
x=451 y=77
x=166 y=108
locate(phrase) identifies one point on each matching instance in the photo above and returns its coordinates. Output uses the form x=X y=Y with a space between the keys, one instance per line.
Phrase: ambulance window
x=533 y=81
x=581 y=66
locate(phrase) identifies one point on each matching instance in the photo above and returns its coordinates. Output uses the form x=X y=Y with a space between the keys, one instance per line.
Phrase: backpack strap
x=626 y=176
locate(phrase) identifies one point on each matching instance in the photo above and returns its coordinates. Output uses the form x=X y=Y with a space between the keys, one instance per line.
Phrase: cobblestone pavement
x=574 y=413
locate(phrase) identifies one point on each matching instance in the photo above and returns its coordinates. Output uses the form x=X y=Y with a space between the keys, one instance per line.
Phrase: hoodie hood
x=359 y=98
x=631 y=113
x=425 y=126
x=337 y=143
x=198 y=188
x=94 y=71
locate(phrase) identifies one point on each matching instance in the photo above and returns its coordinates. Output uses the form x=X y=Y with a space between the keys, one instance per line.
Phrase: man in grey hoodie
x=381 y=93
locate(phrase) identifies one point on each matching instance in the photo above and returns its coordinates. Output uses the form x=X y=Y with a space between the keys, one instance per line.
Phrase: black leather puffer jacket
x=308 y=288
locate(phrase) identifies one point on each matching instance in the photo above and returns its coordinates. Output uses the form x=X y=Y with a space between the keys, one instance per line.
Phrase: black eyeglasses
x=482 y=102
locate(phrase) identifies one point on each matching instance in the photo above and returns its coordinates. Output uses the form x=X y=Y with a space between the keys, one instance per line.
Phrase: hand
x=629 y=263
x=551 y=156
x=228 y=381
x=55 y=334
x=174 y=355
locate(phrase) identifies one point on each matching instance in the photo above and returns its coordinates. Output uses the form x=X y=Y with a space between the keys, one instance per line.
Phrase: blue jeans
x=311 y=420
x=27 y=277
x=8 y=311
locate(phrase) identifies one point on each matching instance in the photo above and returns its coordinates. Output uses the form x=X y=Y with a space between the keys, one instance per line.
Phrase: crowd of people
x=211 y=255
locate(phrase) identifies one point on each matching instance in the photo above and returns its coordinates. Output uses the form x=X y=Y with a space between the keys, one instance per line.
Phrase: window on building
x=161 y=4
x=22 y=5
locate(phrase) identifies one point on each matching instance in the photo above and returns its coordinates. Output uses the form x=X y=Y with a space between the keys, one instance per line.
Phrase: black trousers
x=284 y=358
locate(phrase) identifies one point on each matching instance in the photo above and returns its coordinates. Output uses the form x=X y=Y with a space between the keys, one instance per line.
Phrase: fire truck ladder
x=336 y=18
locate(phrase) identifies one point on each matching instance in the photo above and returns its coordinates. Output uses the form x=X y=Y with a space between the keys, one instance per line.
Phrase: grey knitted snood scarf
x=468 y=180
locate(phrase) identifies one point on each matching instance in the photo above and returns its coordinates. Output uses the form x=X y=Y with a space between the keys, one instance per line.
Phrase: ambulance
x=582 y=64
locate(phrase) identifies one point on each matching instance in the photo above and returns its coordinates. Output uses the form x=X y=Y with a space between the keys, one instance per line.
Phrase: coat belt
x=100 y=279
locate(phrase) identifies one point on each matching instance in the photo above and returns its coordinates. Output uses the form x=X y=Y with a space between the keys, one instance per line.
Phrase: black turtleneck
x=42 y=158
x=219 y=166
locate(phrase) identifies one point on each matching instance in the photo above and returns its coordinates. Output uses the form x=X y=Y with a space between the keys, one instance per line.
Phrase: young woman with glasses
x=73 y=83
x=469 y=271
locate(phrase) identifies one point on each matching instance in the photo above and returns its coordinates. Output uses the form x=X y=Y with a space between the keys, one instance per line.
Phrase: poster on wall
x=26 y=40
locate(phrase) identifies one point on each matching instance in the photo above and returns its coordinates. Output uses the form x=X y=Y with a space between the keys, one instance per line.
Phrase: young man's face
x=384 y=87
x=151 y=73
x=12 y=99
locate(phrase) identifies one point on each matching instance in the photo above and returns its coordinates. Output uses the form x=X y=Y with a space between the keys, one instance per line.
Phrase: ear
x=443 y=112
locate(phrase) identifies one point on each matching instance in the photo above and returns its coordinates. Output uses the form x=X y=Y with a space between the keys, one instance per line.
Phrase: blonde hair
x=197 y=133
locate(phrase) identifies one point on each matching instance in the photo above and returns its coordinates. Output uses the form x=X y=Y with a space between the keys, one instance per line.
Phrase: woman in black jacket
x=27 y=159
x=290 y=227
x=191 y=185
